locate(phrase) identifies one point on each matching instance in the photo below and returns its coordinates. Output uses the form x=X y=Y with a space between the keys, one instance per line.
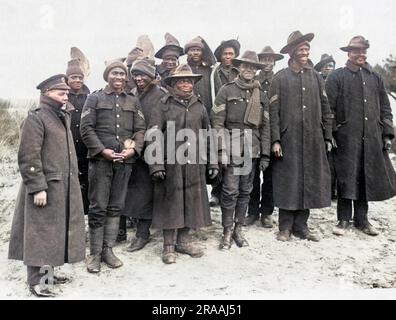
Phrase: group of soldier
x=314 y=132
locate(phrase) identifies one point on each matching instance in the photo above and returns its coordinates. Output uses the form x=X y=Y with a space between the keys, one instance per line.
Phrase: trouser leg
x=344 y=209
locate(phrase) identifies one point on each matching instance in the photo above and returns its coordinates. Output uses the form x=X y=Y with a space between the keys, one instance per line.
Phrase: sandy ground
x=353 y=266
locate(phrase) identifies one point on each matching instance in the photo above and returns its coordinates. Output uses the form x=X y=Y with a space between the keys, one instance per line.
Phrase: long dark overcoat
x=300 y=120
x=363 y=118
x=139 y=199
x=181 y=200
x=54 y=234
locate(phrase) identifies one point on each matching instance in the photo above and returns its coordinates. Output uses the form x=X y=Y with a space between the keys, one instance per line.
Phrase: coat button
x=32 y=169
x=247 y=100
x=76 y=110
x=304 y=107
x=303 y=89
x=71 y=173
x=365 y=100
x=364 y=83
x=118 y=115
x=116 y=96
x=118 y=125
x=188 y=161
x=118 y=137
x=366 y=118
x=77 y=125
x=77 y=140
x=117 y=105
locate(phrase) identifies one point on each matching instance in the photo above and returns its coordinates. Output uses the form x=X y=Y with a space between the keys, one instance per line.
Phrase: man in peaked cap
x=224 y=73
x=78 y=93
x=363 y=132
x=201 y=60
x=139 y=199
x=265 y=205
x=301 y=125
x=169 y=54
x=241 y=111
x=325 y=66
x=180 y=200
x=112 y=128
x=48 y=225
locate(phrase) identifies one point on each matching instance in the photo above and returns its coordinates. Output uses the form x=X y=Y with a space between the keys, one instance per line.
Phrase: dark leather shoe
x=225 y=243
x=283 y=235
x=367 y=228
x=93 y=263
x=110 y=258
x=307 y=235
x=137 y=244
x=190 y=249
x=238 y=237
x=44 y=292
x=61 y=280
x=169 y=254
x=214 y=201
x=341 y=227
x=266 y=221
x=251 y=219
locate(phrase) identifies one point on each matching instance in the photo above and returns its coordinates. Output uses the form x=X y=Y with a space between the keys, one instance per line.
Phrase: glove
x=159 y=176
x=329 y=145
x=264 y=163
x=213 y=173
x=387 y=143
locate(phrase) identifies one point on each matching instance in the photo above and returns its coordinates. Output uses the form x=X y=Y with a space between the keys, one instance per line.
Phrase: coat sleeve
x=218 y=118
x=274 y=109
x=327 y=115
x=332 y=88
x=385 y=111
x=29 y=154
x=139 y=129
x=265 y=131
x=155 y=128
x=88 y=125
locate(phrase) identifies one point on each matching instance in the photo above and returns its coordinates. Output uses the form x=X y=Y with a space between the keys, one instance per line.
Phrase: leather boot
x=225 y=243
x=110 y=236
x=283 y=235
x=40 y=292
x=266 y=221
x=137 y=244
x=96 y=245
x=238 y=237
x=251 y=219
x=184 y=244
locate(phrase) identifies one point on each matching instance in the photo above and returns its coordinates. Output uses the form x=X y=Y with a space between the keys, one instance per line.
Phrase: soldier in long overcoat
x=48 y=225
x=363 y=132
x=301 y=124
x=180 y=200
x=139 y=199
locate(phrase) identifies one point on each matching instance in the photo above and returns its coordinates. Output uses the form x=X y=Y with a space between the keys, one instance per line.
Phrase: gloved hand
x=277 y=150
x=40 y=198
x=387 y=143
x=213 y=173
x=329 y=145
x=159 y=175
x=264 y=163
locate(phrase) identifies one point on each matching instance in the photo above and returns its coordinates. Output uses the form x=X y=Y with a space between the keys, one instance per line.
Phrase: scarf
x=253 y=110
x=180 y=94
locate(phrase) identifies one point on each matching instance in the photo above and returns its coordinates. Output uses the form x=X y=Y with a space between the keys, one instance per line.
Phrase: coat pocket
x=236 y=108
x=53 y=176
x=127 y=117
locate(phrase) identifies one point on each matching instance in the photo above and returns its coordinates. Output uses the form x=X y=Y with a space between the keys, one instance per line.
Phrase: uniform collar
x=109 y=91
x=354 y=68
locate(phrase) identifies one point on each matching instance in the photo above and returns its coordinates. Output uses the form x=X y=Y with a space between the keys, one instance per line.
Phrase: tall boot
x=110 y=236
x=184 y=244
x=96 y=245
x=225 y=243
x=169 y=253
x=237 y=235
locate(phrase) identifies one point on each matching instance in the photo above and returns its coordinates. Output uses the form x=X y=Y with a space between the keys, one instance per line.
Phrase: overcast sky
x=36 y=36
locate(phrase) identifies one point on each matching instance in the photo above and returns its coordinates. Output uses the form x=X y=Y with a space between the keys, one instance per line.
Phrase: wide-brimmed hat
x=269 y=52
x=207 y=55
x=227 y=44
x=56 y=82
x=294 y=39
x=181 y=72
x=324 y=59
x=172 y=45
x=357 y=42
x=249 y=57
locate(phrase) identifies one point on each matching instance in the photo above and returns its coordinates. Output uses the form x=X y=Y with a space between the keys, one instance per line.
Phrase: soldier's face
x=328 y=68
x=227 y=56
x=117 y=79
x=358 y=56
x=75 y=81
x=142 y=80
x=194 y=54
x=268 y=62
x=247 y=71
x=170 y=62
x=301 y=54
x=185 y=85
x=60 y=96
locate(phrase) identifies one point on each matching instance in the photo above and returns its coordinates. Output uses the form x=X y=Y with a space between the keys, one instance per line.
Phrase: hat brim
x=321 y=63
x=195 y=77
x=227 y=44
x=276 y=56
x=287 y=48
x=161 y=51
x=350 y=48
x=238 y=62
